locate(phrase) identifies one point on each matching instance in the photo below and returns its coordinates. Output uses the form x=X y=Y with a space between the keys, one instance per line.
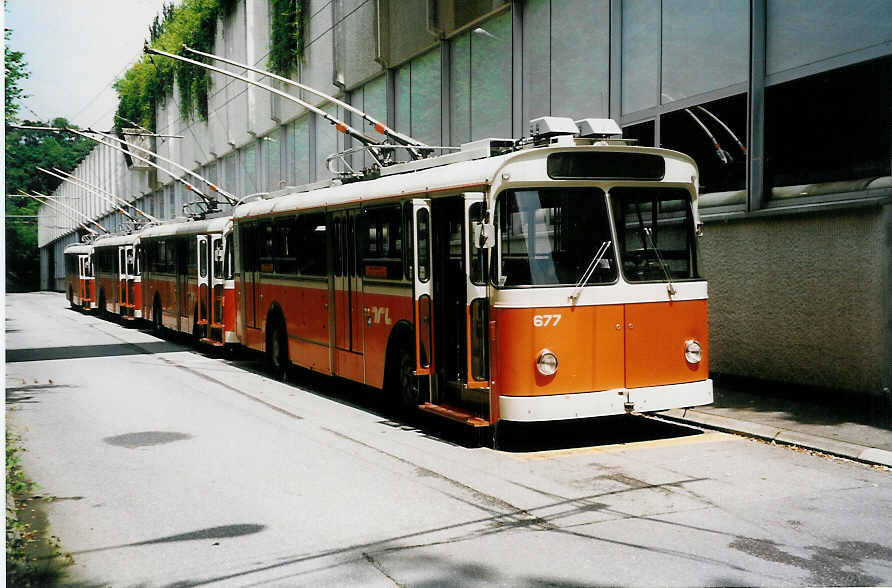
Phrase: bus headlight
x=547 y=362
x=693 y=353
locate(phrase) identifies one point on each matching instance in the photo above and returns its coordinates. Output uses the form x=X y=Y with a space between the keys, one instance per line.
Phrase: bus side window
x=382 y=245
x=310 y=238
x=228 y=258
x=477 y=270
x=409 y=249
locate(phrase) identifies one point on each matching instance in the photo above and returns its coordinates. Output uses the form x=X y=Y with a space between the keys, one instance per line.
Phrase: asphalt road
x=172 y=466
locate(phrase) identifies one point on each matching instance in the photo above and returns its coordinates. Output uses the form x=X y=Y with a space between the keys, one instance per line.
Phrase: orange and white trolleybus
x=545 y=279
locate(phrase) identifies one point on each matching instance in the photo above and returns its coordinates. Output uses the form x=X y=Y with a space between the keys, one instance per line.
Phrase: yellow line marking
x=712 y=437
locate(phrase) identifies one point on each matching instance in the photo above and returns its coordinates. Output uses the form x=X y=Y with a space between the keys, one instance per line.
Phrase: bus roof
x=469 y=176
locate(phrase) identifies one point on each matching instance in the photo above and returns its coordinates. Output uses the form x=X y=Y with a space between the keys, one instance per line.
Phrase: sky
x=75 y=50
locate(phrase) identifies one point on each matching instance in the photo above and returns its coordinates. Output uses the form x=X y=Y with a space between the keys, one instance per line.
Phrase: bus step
x=213 y=342
x=455 y=414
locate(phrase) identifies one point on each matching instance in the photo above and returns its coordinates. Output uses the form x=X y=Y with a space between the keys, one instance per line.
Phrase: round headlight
x=547 y=362
x=693 y=353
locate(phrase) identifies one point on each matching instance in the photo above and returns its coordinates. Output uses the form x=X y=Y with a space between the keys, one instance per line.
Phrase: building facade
x=784 y=104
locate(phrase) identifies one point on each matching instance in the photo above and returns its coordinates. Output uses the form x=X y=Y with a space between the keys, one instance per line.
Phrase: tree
x=16 y=69
x=25 y=150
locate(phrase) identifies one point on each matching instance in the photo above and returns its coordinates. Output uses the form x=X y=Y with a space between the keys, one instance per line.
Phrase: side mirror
x=484 y=235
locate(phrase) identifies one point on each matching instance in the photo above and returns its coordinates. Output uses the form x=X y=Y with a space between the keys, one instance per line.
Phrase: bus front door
x=423 y=293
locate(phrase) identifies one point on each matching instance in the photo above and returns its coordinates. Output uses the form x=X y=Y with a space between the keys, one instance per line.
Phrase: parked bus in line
x=556 y=280
x=117 y=276
x=80 y=282
x=549 y=278
x=187 y=278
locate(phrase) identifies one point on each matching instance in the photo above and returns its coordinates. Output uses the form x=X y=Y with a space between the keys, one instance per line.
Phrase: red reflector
x=341 y=127
x=380 y=128
x=213 y=188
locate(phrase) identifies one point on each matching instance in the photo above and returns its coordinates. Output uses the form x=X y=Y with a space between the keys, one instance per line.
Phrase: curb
x=868 y=455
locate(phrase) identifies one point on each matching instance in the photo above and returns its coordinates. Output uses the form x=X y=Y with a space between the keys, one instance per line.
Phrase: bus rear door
x=203 y=284
x=346 y=297
x=217 y=278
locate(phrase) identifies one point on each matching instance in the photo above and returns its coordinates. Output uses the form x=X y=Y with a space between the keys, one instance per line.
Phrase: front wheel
x=277 y=352
x=409 y=388
x=157 y=323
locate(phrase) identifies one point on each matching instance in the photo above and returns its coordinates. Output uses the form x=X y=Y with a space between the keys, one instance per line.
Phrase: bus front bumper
x=608 y=402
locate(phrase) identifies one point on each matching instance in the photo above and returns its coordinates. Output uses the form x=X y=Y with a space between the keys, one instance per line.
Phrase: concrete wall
x=802 y=299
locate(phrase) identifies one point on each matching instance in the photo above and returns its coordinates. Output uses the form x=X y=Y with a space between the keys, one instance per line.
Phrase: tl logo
x=379 y=313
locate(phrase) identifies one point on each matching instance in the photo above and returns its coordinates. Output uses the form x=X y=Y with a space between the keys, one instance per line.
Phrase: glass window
x=643 y=133
x=230 y=169
x=248 y=161
x=830 y=132
x=382 y=243
x=300 y=151
x=477 y=269
x=714 y=134
x=553 y=237
x=655 y=230
x=640 y=54
x=203 y=258
x=326 y=141
x=580 y=72
x=424 y=244
x=311 y=244
x=481 y=78
x=536 y=59
x=418 y=99
x=267 y=250
x=272 y=155
x=802 y=32
x=372 y=99
x=705 y=46
x=491 y=78
x=285 y=245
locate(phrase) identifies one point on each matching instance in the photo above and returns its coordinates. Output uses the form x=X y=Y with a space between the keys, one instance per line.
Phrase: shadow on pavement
x=88 y=351
x=806 y=405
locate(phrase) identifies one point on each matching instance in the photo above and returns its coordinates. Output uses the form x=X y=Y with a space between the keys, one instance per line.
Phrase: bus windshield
x=655 y=233
x=551 y=237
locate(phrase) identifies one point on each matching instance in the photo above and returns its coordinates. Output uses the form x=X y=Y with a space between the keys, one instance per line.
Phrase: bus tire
x=407 y=382
x=157 y=322
x=277 y=349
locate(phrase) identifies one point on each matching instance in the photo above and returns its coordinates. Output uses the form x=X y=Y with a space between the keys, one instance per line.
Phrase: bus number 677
x=544 y=320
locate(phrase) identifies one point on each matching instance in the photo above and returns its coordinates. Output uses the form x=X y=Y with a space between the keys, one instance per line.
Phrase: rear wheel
x=277 y=351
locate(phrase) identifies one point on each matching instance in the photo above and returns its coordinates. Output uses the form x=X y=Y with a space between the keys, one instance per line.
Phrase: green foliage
x=31 y=558
x=25 y=150
x=151 y=81
x=15 y=70
x=286 y=34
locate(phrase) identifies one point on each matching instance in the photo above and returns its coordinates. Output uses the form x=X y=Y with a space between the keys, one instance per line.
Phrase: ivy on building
x=151 y=80
x=286 y=34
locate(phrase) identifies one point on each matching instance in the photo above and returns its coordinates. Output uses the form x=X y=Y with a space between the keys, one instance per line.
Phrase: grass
x=32 y=557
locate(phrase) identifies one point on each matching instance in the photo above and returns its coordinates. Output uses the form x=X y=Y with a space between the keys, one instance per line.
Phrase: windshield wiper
x=587 y=274
x=670 y=288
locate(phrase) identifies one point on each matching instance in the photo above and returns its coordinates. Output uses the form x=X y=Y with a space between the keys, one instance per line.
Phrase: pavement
x=860 y=430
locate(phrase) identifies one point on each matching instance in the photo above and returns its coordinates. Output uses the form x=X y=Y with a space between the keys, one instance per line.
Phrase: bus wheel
x=277 y=351
x=410 y=391
x=157 y=323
